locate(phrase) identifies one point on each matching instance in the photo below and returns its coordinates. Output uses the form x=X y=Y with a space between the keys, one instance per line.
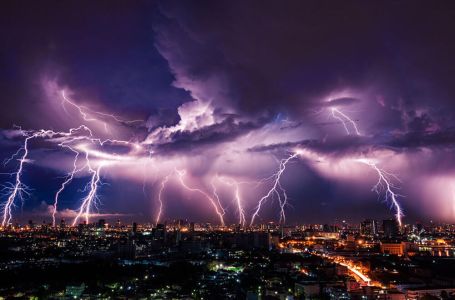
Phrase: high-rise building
x=178 y=236
x=368 y=227
x=390 y=228
x=160 y=232
x=330 y=228
x=80 y=228
x=134 y=227
x=62 y=223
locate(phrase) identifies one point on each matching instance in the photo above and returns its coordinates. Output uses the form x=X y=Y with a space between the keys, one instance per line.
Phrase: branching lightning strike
x=238 y=199
x=78 y=140
x=92 y=197
x=87 y=114
x=69 y=177
x=384 y=178
x=276 y=190
x=219 y=210
x=160 y=198
x=72 y=140
x=385 y=183
x=344 y=119
x=18 y=188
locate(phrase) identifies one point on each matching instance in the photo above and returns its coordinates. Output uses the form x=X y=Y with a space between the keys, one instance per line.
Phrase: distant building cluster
x=186 y=260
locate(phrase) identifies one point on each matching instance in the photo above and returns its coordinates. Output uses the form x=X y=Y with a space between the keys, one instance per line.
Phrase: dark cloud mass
x=285 y=56
x=227 y=88
x=225 y=131
x=104 y=50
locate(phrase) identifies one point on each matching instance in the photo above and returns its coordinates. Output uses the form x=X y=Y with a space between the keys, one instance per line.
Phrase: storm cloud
x=230 y=88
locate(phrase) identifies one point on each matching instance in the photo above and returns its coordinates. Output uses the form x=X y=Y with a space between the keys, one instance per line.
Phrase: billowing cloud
x=232 y=88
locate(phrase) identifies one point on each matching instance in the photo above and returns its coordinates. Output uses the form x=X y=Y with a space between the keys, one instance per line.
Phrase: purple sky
x=220 y=93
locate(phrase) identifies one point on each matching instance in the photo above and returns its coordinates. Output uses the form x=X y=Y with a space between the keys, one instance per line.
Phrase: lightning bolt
x=217 y=197
x=238 y=200
x=87 y=114
x=67 y=181
x=344 y=119
x=69 y=139
x=384 y=178
x=18 y=188
x=160 y=198
x=386 y=184
x=74 y=135
x=276 y=190
x=92 y=196
x=181 y=174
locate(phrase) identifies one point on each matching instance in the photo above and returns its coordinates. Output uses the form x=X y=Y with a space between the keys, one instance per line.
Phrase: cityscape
x=187 y=260
x=222 y=149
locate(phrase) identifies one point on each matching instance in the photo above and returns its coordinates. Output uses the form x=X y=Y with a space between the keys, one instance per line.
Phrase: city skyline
x=228 y=113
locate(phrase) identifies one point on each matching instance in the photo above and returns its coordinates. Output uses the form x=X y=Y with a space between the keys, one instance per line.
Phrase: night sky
x=208 y=100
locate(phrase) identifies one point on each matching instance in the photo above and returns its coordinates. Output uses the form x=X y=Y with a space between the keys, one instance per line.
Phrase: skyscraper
x=390 y=228
x=368 y=227
x=160 y=232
